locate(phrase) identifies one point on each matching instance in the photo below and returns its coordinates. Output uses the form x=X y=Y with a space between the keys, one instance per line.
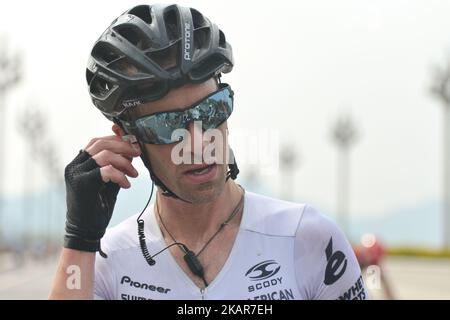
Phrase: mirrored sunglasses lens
x=162 y=128
x=215 y=110
x=154 y=129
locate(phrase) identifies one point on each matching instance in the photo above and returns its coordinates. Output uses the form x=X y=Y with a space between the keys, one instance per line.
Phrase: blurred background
x=349 y=101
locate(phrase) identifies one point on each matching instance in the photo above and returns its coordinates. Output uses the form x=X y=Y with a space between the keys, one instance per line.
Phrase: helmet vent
x=172 y=25
x=201 y=38
x=206 y=67
x=89 y=76
x=105 y=52
x=198 y=19
x=165 y=58
x=125 y=67
x=100 y=87
x=142 y=12
x=133 y=35
x=222 y=40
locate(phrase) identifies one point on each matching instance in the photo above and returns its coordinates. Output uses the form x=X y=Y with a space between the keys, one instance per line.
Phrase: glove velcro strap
x=76 y=243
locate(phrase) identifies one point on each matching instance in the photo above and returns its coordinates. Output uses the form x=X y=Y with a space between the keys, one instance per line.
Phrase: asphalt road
x=410 y=278
x=417 y=278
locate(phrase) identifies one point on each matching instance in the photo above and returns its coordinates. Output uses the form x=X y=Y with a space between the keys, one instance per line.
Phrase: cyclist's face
x=196 y=188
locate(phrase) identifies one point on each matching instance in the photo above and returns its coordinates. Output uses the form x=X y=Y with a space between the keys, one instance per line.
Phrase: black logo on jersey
x=126 y=281
x=337 y=263
x=263 y=270
x=355 y=292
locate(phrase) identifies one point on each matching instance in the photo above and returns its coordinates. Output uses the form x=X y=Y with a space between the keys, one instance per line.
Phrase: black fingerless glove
x=90 y=204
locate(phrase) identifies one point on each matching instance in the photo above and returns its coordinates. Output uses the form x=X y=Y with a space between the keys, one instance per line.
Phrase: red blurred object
x=371 y=252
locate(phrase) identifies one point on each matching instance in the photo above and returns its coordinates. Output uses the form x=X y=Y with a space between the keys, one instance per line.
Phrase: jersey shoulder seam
x=294 y=248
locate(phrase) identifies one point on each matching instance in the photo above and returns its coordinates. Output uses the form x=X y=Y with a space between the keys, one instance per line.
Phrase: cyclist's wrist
x=80 y=244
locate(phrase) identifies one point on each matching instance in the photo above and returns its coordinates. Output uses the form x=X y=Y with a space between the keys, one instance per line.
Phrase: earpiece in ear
x=129 y=138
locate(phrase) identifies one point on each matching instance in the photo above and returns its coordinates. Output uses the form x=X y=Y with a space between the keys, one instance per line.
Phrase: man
x=154 y=72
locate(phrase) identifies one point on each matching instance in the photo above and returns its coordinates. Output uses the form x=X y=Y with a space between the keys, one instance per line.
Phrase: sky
x=298 y=66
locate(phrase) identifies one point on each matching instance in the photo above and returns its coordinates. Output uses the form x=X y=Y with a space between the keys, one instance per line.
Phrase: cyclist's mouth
x=202 y=173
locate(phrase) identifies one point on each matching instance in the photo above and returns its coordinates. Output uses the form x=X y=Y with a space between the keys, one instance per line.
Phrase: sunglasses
x=158 y=128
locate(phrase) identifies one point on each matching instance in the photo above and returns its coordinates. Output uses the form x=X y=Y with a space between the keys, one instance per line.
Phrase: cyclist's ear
x=118 y=131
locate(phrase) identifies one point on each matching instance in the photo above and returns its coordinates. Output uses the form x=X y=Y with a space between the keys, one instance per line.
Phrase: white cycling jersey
x=283 y=250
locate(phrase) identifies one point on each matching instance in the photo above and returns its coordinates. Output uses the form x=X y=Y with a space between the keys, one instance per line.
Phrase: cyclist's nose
x=198 y=144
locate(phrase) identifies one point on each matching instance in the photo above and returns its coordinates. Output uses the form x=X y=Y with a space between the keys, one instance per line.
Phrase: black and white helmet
x=150 y=49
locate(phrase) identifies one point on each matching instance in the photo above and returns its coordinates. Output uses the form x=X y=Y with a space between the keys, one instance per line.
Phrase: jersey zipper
x=203 y=293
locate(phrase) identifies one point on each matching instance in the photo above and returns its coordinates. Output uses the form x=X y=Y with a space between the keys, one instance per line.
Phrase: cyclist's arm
x=93 y=180
x=75 y=276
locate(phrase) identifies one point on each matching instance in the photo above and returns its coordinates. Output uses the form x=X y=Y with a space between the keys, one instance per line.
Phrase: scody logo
x=262 y=271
